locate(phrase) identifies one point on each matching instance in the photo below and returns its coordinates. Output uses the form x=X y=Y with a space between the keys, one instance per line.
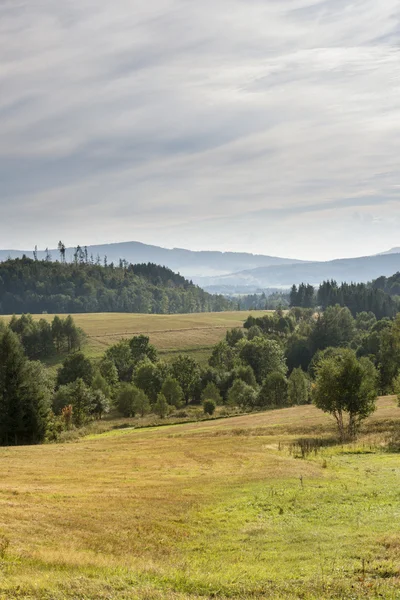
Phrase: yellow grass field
x=218 y=509
x=191 y=333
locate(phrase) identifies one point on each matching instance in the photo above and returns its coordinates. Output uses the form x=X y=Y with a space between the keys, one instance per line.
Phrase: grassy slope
x=212 y=509
x=194 y=334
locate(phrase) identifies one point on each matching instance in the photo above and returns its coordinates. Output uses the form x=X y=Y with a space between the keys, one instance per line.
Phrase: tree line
x=357 y=297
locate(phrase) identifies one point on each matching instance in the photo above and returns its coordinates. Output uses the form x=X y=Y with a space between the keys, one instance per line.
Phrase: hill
x=35 y=286
x=187 y=262
x=347 y=270
x=218 y=509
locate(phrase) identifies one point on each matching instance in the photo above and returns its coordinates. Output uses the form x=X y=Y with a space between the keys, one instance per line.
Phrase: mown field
x=194 y=334
x=219 y=509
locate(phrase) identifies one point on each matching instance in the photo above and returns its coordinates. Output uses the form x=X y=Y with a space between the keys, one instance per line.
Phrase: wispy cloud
x=173 y=121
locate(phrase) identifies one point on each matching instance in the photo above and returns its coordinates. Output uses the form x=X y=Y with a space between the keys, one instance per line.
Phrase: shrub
x=209 y=407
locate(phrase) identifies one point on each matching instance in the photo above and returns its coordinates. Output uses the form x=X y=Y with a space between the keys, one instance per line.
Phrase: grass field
x=193 y=334
x=218 y=509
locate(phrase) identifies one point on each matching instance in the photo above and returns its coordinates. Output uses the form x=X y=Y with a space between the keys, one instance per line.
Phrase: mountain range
x=187 y=262
x=237 y=272
x=356 y=270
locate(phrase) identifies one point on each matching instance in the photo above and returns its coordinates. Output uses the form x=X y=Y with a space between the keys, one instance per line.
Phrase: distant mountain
x=391 y=251
x=348 y=270
x=187 y=262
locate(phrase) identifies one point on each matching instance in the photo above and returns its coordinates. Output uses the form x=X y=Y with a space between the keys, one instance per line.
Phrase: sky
x=268 y=126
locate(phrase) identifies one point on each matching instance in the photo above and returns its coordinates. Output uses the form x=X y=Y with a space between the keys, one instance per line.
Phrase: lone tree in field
x=346 y=388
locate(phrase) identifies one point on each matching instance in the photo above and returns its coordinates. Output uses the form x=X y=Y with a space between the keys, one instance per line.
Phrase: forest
x=44 y=286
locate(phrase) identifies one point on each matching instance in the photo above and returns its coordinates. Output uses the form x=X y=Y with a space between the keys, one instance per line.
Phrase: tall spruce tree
x=24 y=394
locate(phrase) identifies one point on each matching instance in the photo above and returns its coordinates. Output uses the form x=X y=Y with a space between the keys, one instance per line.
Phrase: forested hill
x=34 y=286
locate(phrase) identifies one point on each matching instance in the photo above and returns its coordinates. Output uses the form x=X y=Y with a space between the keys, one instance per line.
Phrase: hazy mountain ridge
x=347 y=270
x=188 y=262
x=237 y=272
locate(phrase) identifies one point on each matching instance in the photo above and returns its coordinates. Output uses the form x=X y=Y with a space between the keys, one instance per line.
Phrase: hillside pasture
x=204 y=510
x=193 y=334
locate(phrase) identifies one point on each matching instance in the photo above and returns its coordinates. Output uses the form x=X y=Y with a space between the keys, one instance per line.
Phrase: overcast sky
x=269 y=126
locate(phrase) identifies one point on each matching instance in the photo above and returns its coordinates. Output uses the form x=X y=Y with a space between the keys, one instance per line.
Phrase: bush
x=209 y=407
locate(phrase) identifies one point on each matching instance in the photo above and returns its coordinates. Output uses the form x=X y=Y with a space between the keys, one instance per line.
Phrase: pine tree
x=24 y=394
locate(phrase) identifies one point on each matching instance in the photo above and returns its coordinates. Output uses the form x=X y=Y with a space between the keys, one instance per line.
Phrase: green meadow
x=229 y=508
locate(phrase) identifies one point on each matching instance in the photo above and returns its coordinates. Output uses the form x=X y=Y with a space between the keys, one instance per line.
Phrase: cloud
x=168 y=120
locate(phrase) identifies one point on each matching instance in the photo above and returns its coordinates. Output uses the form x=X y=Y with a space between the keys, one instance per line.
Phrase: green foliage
x=161 y=407
x=126 y=399
x=222 y=357
x=142 y=404
x=209 y=406
x=388 y=355
x=233 y=336
x=365 y=321
x=276 y=324
x=303 y=296
x=172 y=391
x=141 y=349
x=29 y=286
x=109 y=371
x=25 y=391
x=298 y=387
x=131 y=401
x=81 y=400
x=298 y=352
x=211 y=392
x=253 y=332
x=246 y=374
x=75 y=366
x=100 y=404
x=41 y=339
x=274 y=391
x=148 y=378
x=344 y=386
x=334 y=327
x=187 y=373
x=61 y=398
x=99 y=383
x=263 y=355
x=120 y=355
x=241 y=394
x=396 y=388
x=359 y=297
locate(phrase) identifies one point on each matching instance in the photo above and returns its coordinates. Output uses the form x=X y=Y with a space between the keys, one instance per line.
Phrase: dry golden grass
x=212 y=509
